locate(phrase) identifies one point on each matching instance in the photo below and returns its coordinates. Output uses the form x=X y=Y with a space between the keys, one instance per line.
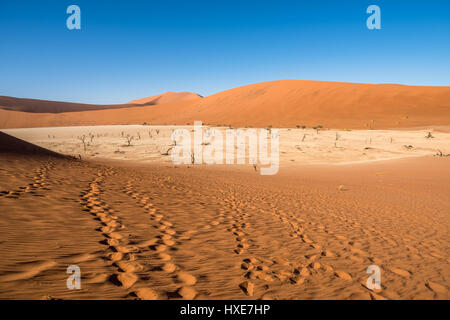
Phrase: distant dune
x=168 y=97
x=284 y=103
x=46 y=106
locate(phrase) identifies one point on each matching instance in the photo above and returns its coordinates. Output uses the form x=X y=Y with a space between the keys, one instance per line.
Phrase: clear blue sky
x=133 y=49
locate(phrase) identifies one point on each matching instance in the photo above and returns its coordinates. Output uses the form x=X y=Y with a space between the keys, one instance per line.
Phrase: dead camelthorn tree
x=440 y=154
x=317 y=128
x=129 y=139
x=167 y=152
x=83 y=140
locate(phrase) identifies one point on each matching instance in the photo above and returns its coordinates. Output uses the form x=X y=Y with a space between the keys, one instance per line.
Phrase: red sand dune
x=167 y=97
x=46 y=106
x=284 y=103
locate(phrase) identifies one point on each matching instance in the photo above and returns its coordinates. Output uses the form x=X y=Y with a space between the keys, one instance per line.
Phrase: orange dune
x=167 y=97
x=284 y=103
x=46 y=106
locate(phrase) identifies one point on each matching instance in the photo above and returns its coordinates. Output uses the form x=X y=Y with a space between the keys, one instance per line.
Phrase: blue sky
x=133 y=49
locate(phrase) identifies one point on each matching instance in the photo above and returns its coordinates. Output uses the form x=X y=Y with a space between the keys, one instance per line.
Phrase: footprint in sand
x=158 y=248
x=169 y=267
x=343 y=275
x=115 y=256
x=126 y=249
x=327 y=253
x=247 y=287
x=297 y=281
x=186 y=278
x=164 y=256
x=187 y=293
x=376 y=296
x=146 y=294
x=129 y=266
x=126 y=279
x=437 y=288
x=304 y=272
x=400 y=272
x=248 y=266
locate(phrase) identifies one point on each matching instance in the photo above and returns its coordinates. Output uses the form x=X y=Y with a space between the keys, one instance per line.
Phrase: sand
x=167 y=97
x=140 y=228
x=285 y=103
x=47 y=106
x=96 y=187
x=149 y=144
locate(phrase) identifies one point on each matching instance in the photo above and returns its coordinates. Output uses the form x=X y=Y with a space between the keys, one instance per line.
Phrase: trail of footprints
x=270 y=270
x=119 y=252
x=280 y=269
x=297 y=225
x=356 y=255
x=167 y=239
x=256 y=268
x=39 y=182
x=123 y=255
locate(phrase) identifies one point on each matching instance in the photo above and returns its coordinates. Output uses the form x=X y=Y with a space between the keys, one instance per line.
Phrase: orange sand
x=168 y=97
x=285 y=103
x=158 y=232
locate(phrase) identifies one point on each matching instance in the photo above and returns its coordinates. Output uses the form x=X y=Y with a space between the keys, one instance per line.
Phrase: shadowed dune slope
x=12 y=145
x=284 y=103
x=46 y=106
